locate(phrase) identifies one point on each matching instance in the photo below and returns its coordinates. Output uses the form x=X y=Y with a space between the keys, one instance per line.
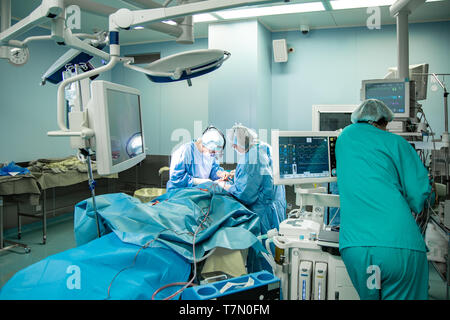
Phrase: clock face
x=18 y=56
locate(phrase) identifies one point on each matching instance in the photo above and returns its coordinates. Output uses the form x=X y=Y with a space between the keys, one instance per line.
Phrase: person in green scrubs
x=382 y=183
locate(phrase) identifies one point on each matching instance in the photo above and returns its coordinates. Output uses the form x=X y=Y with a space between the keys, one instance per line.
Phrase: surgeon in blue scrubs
x=253 y=186
x=253 y=179
x=382 y=183
x=195 y=162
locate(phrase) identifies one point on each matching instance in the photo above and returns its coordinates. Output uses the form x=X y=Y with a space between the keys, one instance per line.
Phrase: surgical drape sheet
x=127 y=225
x=86 y=272
x=173 y=218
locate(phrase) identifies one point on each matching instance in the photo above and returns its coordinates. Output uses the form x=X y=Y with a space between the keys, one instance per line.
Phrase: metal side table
x=4 y=241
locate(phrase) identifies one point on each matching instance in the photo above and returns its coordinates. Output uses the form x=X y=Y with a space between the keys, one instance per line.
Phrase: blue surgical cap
x=213 y=140
x=372 y=110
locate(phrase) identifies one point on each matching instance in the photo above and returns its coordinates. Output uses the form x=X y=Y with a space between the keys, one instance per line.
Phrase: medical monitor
x=115 y=115
x=417 y=73
x=393 y=92
x=331 y=117
x=303 y=157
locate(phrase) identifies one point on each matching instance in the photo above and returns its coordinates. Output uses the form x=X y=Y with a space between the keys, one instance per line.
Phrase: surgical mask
x=238 y=151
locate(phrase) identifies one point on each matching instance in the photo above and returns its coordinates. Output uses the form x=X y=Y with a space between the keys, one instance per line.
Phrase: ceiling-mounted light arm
x=404 y=6
x=125 y=18
x=57 y=36
x=149 y=4
x=5 y=11
x=48 y=10
x=74 y=42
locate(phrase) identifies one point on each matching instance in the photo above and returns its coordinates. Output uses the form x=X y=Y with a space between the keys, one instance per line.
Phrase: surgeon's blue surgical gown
x=381 y=181
x=253 y=186
x=188 y=163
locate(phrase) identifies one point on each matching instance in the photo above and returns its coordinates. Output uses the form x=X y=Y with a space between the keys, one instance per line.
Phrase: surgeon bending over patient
x=253 y=180
x=195 y=162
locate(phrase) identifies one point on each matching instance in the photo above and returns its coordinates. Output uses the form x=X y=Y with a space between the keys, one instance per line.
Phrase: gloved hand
x=198 y=181
x=223 y=184
x=225 y=175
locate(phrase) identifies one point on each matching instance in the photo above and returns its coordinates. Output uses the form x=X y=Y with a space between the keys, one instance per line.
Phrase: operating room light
x=351 y=4
x=171 y=22
x=204 y=17
x=273 y=10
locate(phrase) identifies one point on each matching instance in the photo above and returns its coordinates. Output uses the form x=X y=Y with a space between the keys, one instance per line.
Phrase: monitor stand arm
x=316 y=198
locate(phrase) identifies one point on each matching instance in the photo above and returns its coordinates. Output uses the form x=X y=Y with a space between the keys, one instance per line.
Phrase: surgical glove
x=223 y=184
x=222 y=174
x=198 y=181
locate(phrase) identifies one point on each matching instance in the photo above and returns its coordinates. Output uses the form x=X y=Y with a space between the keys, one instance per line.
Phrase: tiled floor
x=60 y=237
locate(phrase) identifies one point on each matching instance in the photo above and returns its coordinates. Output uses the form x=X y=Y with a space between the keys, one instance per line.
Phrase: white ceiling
x=430 y=11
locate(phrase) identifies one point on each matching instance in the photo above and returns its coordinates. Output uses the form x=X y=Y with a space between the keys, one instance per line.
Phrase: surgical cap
x=213 y=140
x=372 y=110
x=242 y=136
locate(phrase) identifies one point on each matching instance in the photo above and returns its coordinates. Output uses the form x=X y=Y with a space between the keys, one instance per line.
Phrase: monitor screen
x=417 y=73
x=334 y=121
x=394 y=93
x=124 y=125
x=115 y=113
x=304 y=157
x=331 y=117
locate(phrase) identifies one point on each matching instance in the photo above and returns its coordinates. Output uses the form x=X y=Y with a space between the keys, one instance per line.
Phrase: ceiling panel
x=293 y=21
x=432 y=11
x=359 y=17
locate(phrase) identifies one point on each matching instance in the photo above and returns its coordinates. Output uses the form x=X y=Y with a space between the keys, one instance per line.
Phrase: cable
x=334 y=216
x=194 y=261
x=190 y=282
x=134 y=260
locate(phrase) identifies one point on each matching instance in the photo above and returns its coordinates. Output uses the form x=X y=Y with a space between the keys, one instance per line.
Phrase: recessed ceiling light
x=171 y=22
x=204 y=17
x=351 y=4
x=273 y=10
x=138 y=28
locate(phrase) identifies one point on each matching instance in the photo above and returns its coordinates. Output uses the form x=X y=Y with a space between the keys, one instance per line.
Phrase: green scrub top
x=381 y=180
